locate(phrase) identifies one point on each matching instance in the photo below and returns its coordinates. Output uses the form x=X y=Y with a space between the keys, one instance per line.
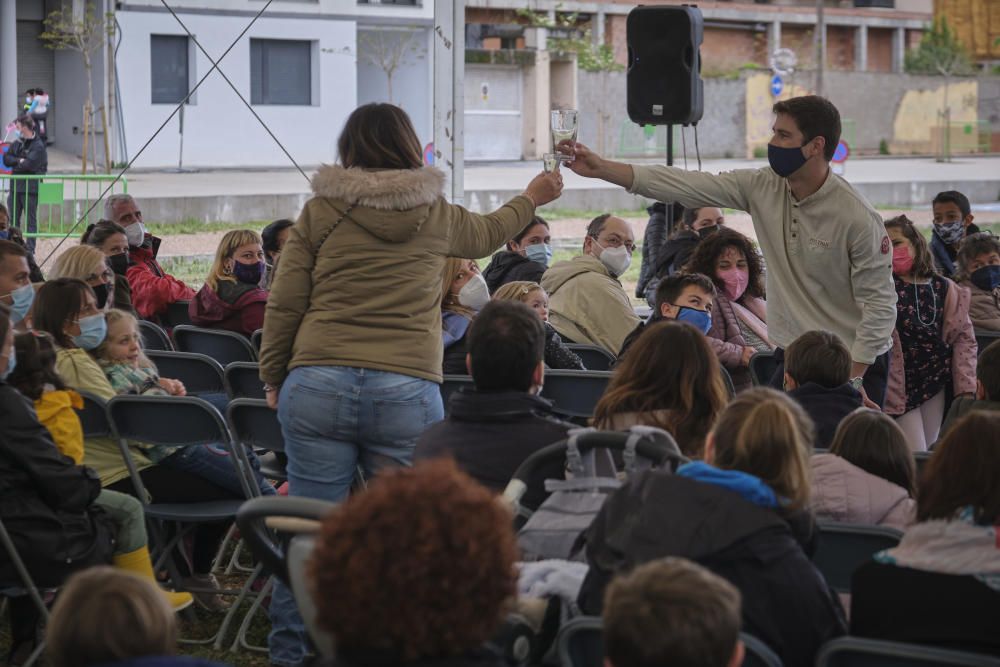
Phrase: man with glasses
x=152 y=288
x=587 y=303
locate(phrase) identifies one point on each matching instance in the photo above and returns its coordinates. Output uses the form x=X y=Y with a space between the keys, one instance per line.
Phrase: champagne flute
x=564 y=128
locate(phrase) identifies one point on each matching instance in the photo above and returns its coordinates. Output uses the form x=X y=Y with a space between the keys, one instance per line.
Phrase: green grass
x=199 y=227
x=573 y=213
x=191 y=269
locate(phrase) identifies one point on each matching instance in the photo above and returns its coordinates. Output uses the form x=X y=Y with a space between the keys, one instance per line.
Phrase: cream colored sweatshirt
x=829 y=260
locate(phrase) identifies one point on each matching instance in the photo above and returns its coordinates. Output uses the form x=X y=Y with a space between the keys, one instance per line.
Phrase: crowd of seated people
x=677 y=562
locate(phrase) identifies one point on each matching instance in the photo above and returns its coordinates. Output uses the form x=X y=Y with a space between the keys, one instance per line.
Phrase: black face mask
x=102 y=292
x=704 y=232
x=119 y=263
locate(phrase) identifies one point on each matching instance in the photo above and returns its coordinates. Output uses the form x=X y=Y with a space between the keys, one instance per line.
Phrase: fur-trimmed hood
x=392 y=204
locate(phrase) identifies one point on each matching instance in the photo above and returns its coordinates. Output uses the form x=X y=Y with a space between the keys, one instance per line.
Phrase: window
x=280 y=71
x=168 y=55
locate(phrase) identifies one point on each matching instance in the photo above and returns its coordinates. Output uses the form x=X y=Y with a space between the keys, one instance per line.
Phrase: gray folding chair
x=177 y=314
x=594 y=358
x=727 y=380
x=219 y=344
x=255 y=340
x=27 y=587
x=180 y=422
x=762 y=368
x=256 y=426
x=580 y=644
x=199 y=373
x=279 y=532
x=575 y=393
x=243 y=380
x=154 y=337
x=858 y=652
x=844 y=547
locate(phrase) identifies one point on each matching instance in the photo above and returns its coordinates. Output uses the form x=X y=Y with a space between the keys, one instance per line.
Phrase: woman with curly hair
x=418 y=568
x=669 y=379
x=739 y=314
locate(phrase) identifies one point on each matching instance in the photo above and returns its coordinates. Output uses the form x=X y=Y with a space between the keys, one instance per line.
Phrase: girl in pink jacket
x=933 y=342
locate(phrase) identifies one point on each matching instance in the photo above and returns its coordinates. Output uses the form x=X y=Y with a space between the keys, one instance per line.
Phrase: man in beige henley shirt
x=829 y=260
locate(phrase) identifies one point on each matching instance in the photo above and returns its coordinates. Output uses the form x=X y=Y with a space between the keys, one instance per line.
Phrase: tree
x=389 y=53
x=592 y=57
x=940 y=53
x=86 y=33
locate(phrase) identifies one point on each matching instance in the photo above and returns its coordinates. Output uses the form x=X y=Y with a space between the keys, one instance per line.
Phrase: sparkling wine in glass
x=550 y=162
x=564 y=128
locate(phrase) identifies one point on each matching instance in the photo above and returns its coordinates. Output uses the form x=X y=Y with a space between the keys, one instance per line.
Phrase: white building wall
x=219 y=131
x=412 y=86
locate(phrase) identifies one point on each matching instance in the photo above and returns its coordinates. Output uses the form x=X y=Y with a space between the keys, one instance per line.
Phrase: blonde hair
x=114 y=317
x=105 y=615
x=227 y=248
x=519 y=290
x=80 y=262
x=766 y=434
x=452 y=267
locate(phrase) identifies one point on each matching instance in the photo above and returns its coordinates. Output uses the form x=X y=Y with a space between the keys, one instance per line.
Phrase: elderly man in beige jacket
x=587 y=303
x=829 y=260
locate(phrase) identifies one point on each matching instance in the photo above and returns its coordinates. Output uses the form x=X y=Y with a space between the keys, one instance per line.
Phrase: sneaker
x=206 y=598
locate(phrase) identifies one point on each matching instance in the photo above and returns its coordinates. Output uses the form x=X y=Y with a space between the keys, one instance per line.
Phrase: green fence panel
x=62 y=200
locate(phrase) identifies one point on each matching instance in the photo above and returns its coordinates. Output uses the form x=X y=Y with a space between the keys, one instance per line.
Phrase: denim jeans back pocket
x=313 y=411
x=401 y=421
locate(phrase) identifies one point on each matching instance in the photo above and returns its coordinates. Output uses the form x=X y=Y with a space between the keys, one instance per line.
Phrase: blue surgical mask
x=701 y=319
x=785 y=161
x=93 y=330
x=540 y=253
x=986 y=277
x=11 y=364
x=17 y=134
x=4 y=234
x=23 y=297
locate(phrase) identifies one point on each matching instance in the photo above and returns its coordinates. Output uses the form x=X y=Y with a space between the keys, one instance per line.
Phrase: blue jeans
x=211 y=462
x=334 y=418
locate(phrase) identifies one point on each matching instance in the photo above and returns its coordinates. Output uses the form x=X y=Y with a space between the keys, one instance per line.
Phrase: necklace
x=916 y=304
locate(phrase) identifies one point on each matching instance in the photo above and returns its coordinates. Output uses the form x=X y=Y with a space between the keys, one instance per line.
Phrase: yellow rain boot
x=138 y=562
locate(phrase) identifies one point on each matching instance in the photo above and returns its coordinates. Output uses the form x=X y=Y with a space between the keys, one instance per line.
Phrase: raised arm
x=690 y=188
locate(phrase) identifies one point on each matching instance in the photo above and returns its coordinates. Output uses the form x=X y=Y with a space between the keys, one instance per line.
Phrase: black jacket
x=827 y=407
x=786 y=602
x=945 y=255
x=32 y=151
x=507 y=267
x=46 y=500
x=635 y=333
x=676 y=253
x=906 y=605
x=490 y=434
x=653 y=240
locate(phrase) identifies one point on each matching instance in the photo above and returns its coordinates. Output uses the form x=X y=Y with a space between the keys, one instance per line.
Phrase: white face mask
x=136 y=234
x=474 y=294
x=617 y=260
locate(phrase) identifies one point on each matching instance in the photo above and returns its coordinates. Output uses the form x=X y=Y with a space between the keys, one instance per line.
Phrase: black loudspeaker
x=663 y=80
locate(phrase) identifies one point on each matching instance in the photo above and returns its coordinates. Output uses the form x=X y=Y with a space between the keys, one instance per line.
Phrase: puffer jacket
x=507 y=267
x=726 y=338
x=587 y=305
x=653 y=240
x=367 y=294
x=956 y=332
x=843 y=492
x=984 y=307
x=234 y=307
x=152 y=289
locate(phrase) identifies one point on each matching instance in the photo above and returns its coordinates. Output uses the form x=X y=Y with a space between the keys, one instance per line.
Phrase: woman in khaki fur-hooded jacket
x=359 y=284
x=351 y=352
